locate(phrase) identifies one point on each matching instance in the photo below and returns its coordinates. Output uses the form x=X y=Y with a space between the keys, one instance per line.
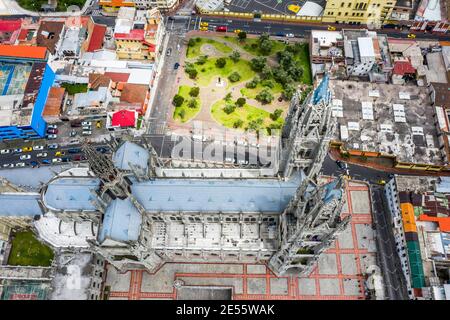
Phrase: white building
x=360 y=56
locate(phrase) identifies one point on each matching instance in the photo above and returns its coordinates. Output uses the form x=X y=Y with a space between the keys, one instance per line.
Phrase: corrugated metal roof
x=71 y=194
x=19 y=204
x=130 y=153
x=122 y=221
x=31 y=52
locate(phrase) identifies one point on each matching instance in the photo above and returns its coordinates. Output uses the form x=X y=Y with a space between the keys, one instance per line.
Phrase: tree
x=228 y=96
x=240 y=102
x=265 y=96
x=235 y=56
x=242 y=35
x=234 y=77
x=191 y=42
x=263 y=37
x=201 y=60
x=194 y=92
x=190 y=70
x=274 y=126
x=265 y=47
x=267 y=83
x=276 y=114
x=192 y=103
x=221 y=62
x=258 y=63
x=229 y=108
x=254 y=125
x=288 y=92
x=182 y=113
x=238 y=123
x=266 y=72
x=177 y=100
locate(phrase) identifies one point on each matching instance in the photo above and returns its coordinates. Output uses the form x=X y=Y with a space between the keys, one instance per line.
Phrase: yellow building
x=369 y=12
x=138 y=43
x=114 y=5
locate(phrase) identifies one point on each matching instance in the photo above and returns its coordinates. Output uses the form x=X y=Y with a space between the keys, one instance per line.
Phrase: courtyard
x=238 y=82
x=26 y=250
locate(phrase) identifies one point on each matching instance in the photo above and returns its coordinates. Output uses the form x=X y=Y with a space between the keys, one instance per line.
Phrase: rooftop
x=402 y=121
x=96 y=38
x=49 y=34
x=19 y=51
x=54 y=102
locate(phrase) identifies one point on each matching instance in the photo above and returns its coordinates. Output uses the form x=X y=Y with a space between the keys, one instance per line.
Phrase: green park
x=26 y=250
x=240 y=82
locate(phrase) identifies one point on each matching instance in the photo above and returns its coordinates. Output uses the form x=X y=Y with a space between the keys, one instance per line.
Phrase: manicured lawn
x=26 y=250
x=194 y=51
x=252 y=93
x=35 y=5
x=208 y=71
x=246 y=113
x=189 y=112
x=73 y=88
x=303 y=59
x=251 y=45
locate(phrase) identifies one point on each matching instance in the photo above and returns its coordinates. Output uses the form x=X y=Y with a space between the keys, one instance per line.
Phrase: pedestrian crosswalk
x=96 y=12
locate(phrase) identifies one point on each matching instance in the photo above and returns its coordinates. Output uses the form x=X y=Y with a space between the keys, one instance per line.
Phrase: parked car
x=79 y=157
x=53 y=146
x=176 y=66
x=52 y=126
x=86 y=128
x=18 y=150
x=27 y=149
x=86 y=133
x=34 y=163
x=41 y=155
x=290 y=35
x=25 y=157
x=20 y=164
x=75 y=124
x=59 y=153
x=8 y=165
x=38 y=148
x=74 y=150
x=86 y=123
x=73 y=133
x=102 y=149
x=45 y=161
x=56 y=160
x=52 y=136
x=65 y=159
x=5 y=151
x=221 y=29
x=169 y=51
x=52 y=131
x=98 y=124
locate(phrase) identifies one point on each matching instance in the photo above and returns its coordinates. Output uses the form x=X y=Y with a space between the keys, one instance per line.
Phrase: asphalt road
x=302 y=30
x=388 y=259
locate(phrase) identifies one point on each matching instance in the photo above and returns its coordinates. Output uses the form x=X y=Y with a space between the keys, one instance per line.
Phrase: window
x=342 y=4
x=353 y=14
x=369 y=15
x=346 y=14
x=339 y=14
x=349 y=5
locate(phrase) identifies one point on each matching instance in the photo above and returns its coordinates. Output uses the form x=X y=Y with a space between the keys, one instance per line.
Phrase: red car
x=52 y=131
x=221 y=29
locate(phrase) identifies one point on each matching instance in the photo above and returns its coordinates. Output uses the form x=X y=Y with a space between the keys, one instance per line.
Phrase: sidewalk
x=335 y=155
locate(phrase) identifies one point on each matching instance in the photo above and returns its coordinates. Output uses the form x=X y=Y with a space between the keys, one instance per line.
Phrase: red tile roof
x=54 y=102
x=10 y=25
x=403 y=67
x=117 y=76
x=123 y=118
x=135 y=34
x=31 y=52
x=23 y=34
x=97 y=37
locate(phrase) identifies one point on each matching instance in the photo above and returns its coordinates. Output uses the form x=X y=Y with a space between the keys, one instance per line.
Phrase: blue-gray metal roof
x=19 y=204
x=71 y=194
x=122 y=222
x=130 y=153
x=443 y=185
x=266 y=195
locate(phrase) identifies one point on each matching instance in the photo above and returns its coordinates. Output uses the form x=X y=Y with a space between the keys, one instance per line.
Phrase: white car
x=290 y=35
x=5 y=151
x=41 y=155
x=86 y=133
x=56 y=160
x=87 y=128
x=52 y=136
x=25 y=157
x=52 y=126
x=86 y=123
x=242 y=161
x=38 y=148
x=8 y=165
x=20 y=164
x=229 y=160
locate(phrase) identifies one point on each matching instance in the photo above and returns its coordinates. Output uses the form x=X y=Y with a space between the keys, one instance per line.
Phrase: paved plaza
x=339 y=273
